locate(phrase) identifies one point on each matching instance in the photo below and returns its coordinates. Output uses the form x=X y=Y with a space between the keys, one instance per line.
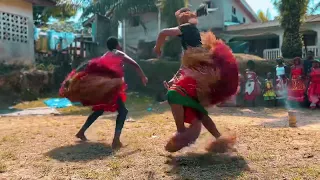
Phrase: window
x=209 y=4
x=13 y=28
x=134 y=21
x=244 y=20
x=234 y=11
x=234 y=19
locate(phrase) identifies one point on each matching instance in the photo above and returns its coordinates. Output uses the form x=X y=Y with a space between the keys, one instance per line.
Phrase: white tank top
x=280 y=71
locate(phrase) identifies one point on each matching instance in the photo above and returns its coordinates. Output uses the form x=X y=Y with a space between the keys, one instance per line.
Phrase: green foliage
x=62 y=26
x=42 y=14
x=172 y=47
x=8 y=68
x=292 y=14
x=292 y=44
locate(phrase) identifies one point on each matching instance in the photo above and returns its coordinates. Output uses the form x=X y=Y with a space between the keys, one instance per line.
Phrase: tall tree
x=292 y=14
x=64 y=9
x=172 y=47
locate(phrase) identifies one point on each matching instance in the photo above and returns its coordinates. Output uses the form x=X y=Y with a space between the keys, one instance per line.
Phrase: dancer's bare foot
x=223 y=144
x=81 y=136
x=183 y=139
x=116 y=144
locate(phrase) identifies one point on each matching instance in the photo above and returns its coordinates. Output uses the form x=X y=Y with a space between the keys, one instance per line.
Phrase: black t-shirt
x=307 y=65
x=190 y=36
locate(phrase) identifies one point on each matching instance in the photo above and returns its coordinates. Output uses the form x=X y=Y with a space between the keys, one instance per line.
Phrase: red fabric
x=220 y=91
x=226 y=62
x=296 y=87
x=252 y=77
x=314 y=87
x=188 y=84
x=110 y=66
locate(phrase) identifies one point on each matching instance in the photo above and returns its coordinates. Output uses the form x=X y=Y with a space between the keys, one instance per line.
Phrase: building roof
x=274 y=23
x=42 y=2
x=248 y=10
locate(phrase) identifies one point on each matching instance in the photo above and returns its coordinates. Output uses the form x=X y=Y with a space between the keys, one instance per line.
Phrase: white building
x=16 y=29
x=266 y=39
x=228 y=12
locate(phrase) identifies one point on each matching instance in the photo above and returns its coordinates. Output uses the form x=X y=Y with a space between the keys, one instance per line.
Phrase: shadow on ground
x=207 y=166
x=85 y=151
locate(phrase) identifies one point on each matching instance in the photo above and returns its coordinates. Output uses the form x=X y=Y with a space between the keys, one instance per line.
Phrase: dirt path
x=44 y=147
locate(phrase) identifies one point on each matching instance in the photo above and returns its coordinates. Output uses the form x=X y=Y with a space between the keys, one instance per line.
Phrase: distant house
x=266 y=39
x=16 y=29
x=228 y=12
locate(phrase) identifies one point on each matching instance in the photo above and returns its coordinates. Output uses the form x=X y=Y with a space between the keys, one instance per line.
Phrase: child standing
x=252 y=85
x=101 y=84
x=281 y=80
x=269 y=95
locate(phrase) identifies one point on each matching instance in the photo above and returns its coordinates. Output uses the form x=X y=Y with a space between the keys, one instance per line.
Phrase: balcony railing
x=271 y=54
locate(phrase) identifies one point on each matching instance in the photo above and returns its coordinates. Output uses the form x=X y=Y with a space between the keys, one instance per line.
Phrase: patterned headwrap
x=185 y=15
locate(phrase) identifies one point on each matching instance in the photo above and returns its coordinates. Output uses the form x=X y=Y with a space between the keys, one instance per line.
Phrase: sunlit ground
x=44 y=147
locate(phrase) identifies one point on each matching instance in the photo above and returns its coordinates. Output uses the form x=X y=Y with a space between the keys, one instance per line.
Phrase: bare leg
x=122 y=116
x=222 y=143
x=178 y=115
x=210 y=126
x=93 y=117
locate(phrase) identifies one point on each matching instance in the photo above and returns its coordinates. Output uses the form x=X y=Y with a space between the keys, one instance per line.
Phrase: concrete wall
x=240 y=14
x=136 y=34
x=214 y=20
x=13 y=51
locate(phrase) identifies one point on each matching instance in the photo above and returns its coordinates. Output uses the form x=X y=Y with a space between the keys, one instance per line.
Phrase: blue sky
x=256 y=5
x=264 y=5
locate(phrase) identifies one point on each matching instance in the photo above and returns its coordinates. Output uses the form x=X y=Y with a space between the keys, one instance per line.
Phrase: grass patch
x=135 y=102
x=8 y=155
x=3 y=167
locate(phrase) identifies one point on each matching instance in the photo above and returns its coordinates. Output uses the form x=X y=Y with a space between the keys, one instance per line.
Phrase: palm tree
x=292 y=14
x=64 y=9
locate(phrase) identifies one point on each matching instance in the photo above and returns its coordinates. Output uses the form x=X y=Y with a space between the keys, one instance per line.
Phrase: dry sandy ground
x=44 y=147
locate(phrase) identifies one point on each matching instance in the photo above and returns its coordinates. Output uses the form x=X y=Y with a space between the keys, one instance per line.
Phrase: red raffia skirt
x=209 y=75
x=99 y=85
x=296 y=90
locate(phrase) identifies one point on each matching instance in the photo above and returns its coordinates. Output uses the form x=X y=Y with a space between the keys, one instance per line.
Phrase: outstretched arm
x=163 y=35
x=128 y=60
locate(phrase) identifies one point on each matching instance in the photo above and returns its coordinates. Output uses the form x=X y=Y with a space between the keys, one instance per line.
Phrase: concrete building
x=227 y=12
x=16 y=29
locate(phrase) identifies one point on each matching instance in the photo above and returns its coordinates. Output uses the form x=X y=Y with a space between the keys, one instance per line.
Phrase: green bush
x=292 y=44
x=172 y=48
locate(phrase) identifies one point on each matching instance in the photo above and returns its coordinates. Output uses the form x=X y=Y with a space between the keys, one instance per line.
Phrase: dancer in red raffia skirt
x=296 y=86
x=100 y=83
x=314 y=87
x=208 y=76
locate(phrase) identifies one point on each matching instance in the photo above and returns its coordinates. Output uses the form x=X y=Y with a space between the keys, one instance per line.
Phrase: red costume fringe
x=99 y=85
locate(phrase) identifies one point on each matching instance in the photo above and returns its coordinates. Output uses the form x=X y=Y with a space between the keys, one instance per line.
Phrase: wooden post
x=70 y=50
x=81 y=47
x=75 y=49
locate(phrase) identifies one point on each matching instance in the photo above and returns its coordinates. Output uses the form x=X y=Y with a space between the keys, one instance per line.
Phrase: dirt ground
x=44 y=147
